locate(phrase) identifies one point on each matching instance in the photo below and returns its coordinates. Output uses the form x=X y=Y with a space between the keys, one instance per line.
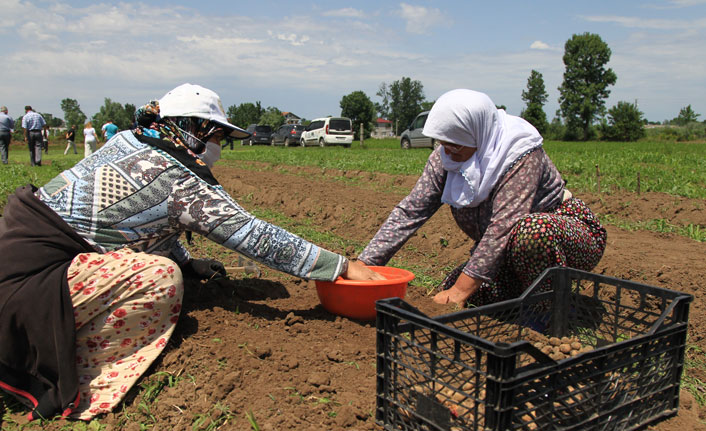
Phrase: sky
x=304 y=56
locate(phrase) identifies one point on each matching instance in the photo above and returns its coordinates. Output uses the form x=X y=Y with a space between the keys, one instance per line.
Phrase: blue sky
x=304 y=56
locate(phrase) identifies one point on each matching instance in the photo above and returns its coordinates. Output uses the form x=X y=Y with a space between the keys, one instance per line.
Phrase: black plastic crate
x=476 y=370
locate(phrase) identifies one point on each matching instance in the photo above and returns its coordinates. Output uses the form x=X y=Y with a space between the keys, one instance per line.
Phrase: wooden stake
x=361 y=134
x=598 y=179
x=638 y=184
x=248 y=269
x=234 y=268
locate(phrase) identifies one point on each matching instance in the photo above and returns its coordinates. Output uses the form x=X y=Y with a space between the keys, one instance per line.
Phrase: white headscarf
x=470 y=118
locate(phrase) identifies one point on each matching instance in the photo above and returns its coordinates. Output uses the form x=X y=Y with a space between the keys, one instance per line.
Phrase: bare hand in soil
x=458 y=293
x=358 y=271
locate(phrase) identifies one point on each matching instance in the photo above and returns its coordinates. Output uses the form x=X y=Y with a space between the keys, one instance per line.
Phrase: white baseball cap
x=189 y=100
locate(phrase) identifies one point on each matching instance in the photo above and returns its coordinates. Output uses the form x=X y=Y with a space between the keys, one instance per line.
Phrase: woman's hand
x=358 y=271
x=464 y=287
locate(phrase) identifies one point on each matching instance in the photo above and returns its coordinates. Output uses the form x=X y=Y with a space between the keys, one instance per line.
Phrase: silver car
x=413 y=138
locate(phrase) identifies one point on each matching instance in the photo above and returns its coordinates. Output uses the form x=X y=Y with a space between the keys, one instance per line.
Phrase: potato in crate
x=577 y=351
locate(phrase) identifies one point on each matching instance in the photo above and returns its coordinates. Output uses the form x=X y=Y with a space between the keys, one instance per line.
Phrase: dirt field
x=266 y=349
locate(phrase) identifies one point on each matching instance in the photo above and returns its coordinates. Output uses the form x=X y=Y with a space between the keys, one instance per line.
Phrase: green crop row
x=674 y=168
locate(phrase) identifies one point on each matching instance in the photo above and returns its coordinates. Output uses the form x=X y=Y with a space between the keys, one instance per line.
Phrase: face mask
x=211 y=154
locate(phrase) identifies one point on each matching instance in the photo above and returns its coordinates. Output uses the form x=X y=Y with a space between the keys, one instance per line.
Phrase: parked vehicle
x=413 y=138
x=328 y=131
x=287 y=134
x=259 y=134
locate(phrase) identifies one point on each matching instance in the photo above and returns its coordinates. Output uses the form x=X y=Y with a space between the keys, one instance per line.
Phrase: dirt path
x=266 y=349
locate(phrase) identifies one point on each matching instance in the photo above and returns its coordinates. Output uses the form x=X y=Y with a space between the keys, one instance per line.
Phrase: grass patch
x=690 y=231
x=666 y=167
x=215 y=418
x=378 y=155
x=694 y=370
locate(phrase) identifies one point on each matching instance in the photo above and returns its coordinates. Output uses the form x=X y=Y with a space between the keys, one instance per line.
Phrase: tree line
x=582 y=114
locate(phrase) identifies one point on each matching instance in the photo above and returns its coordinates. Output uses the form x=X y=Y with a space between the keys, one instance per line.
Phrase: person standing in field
x=33 y=124
x=70 y=138
x=504 y=193
x=90 y=139
x=7 y=126
x=45 y=142
x=92 y=264
x=109 y=130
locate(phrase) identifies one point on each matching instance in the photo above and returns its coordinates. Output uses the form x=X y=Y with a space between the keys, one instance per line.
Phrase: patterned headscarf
x=189 y=133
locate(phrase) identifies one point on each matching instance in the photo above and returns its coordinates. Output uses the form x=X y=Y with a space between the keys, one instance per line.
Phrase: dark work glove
x=203 y=269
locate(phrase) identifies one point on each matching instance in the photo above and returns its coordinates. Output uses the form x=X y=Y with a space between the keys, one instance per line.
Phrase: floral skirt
x=569 y=236
x=126 y=305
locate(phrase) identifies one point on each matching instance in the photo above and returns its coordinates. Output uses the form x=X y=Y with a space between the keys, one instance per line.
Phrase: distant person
x=91 y=284
x=45 y=142
x=70 y=139
x=109 y=130
x=90 y=139
x=34 y=124
x=505 y=194
x=7 y=126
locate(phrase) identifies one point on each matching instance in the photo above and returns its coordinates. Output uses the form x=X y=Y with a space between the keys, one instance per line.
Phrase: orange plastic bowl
x=356 y=299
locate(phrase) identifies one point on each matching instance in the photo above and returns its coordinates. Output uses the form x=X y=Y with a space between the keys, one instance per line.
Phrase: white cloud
x=539 y=45
x=291 y=38
x=348 y=12
x=419 y=18
x=655 y=24
x=305 y=63
x=687 y=3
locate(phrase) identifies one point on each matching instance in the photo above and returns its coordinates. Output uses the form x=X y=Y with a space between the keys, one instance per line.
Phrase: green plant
x=694 y=364
x=294 y=393
x=253 y=422
x=216 y=417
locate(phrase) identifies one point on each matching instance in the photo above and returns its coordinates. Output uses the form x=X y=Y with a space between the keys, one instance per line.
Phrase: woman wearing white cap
x=504 y=193
x=95 y=281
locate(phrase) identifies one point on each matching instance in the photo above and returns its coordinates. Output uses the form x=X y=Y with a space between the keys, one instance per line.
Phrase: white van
x=328 y=131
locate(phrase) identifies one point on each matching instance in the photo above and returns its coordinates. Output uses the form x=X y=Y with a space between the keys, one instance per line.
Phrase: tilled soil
x=263 y=351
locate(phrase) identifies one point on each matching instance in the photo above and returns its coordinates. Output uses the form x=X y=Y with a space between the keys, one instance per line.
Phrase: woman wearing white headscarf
x=505 y=194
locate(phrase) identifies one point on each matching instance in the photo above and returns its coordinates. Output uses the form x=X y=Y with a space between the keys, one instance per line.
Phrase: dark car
x=259 y=134
x=287 y=134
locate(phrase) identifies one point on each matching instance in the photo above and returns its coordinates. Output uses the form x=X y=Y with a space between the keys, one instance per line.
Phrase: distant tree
x=272 y=116
x=383 y=108
x=51 y=120
x=72 y=113
x=130 y=112
x=536 y=97
x=686 y=116
x=245 y=114
x=625 y=123
x=586 y=80
x=426 y=106
x=121 y=116
x=556 y=129
x=405 y=99
x=360 y=109
x=503 y=107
